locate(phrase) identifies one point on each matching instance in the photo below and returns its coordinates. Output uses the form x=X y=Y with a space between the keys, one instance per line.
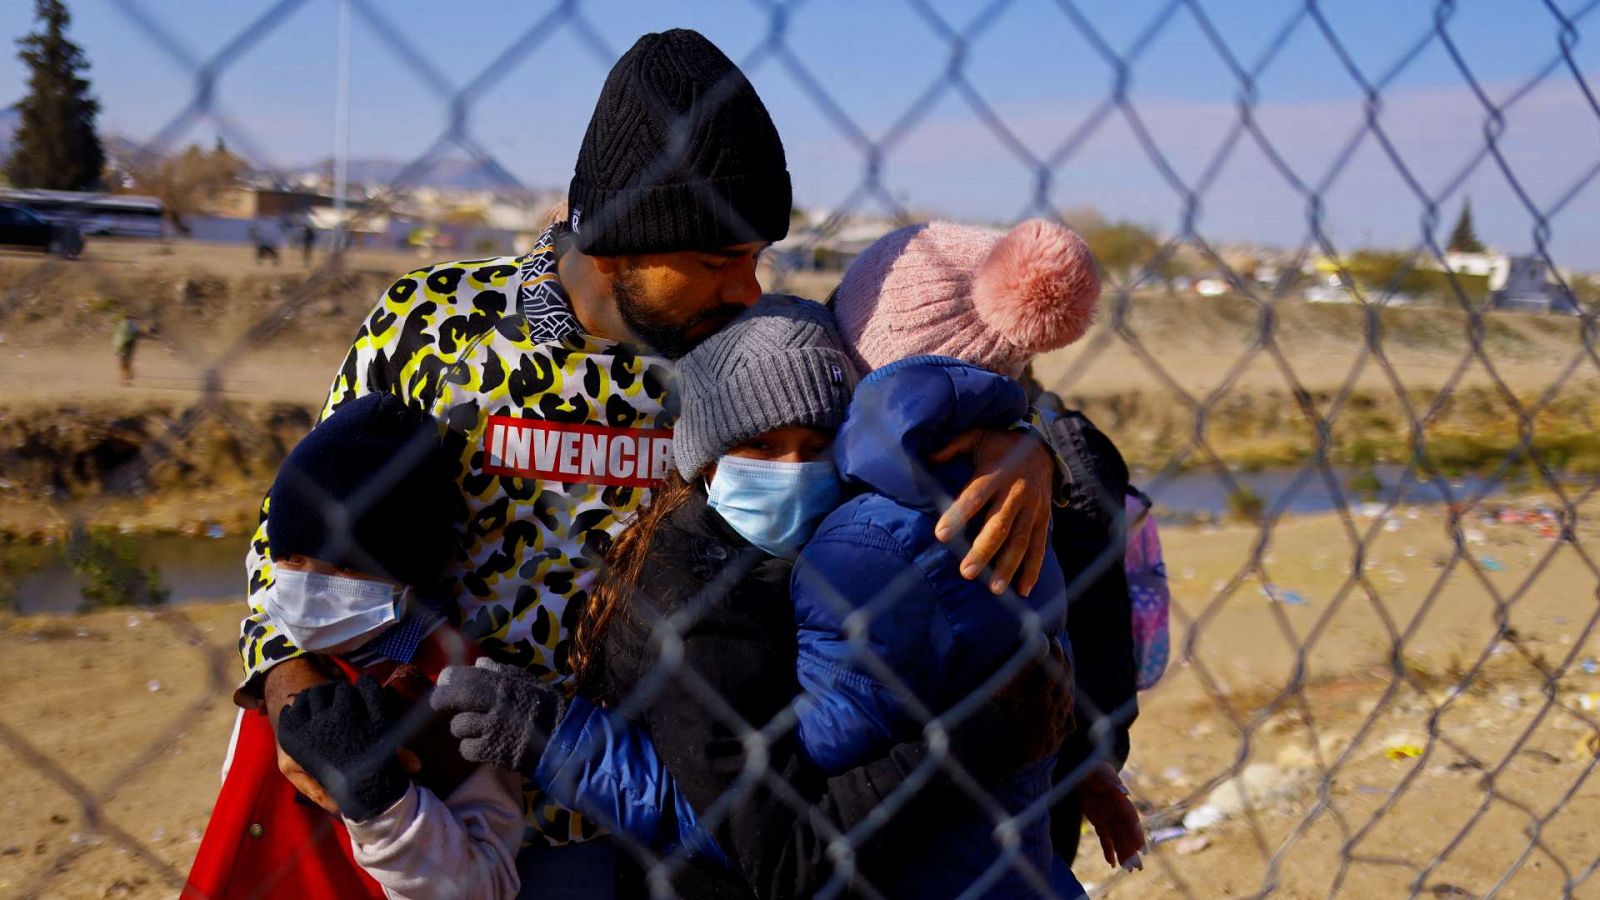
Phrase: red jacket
x=264 y=839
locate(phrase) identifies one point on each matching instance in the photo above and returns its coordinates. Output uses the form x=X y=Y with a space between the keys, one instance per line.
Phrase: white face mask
x=328 y=613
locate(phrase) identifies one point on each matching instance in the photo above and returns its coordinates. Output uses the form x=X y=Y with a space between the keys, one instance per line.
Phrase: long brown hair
x=619 y=580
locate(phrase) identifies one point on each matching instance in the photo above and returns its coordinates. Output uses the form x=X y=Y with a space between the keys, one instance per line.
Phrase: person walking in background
x=266 y=247
x=308 y=242
x=123 y=343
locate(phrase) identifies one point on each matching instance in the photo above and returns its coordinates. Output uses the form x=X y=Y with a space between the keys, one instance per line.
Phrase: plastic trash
x=1170 y=833
x=1276 y=594
x=1490 y=564
x=1202 y=817
x=1402 y=751
x=1590 y=667
x=214 y=531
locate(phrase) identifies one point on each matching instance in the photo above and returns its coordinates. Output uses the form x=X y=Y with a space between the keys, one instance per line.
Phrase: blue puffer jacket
x=607 y=766
x=943 y=638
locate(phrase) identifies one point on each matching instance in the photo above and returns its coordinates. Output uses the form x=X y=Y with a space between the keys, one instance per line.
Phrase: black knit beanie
x=680 y=155
x=369 y=489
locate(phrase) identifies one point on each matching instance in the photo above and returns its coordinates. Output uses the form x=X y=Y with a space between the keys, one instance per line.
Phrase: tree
x=1124 y=250
x=1121 y=248
x=56 y=147
x=1462 y=239
x=185 y=183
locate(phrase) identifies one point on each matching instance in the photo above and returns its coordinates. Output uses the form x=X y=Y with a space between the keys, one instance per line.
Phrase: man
x=551 y=373
x=127 y=339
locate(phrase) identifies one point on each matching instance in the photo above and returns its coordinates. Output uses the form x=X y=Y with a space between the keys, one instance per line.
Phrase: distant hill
x=448 y=172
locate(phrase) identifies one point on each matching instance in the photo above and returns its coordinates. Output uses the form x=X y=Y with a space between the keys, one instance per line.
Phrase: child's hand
x=346 y=736
x=1113 y=815
x=502 y=715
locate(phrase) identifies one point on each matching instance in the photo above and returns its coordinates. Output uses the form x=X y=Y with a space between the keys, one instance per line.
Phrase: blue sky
x=1030 y=64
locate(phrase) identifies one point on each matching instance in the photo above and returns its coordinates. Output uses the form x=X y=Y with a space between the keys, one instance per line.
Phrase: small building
x=1527 y=288
x=267 y=203
x=1494 y=266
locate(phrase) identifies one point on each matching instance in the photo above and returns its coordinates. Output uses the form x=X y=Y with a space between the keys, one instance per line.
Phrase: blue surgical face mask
x=774 y=505
x=323 y=613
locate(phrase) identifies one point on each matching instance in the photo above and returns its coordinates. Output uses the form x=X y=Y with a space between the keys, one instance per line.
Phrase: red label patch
x=587 y=454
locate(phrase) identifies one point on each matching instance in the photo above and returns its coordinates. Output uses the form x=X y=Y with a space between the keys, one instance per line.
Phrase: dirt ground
x=113 y=724
x=1401 y=700
x=1179 y=348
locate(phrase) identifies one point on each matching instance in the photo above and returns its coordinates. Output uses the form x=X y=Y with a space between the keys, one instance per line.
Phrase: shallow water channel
x=211 y=569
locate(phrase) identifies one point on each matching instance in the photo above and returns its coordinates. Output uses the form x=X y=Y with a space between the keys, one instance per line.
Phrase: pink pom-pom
x=1038 y=287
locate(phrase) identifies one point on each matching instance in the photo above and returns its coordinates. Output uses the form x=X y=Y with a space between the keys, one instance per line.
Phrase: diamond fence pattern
x=1346 y=841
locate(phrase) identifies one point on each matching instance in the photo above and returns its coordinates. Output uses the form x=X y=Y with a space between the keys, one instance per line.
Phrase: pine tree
x=56 y=147
x=1463 y=240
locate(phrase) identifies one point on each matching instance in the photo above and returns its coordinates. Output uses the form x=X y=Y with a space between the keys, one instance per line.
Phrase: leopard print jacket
x=558 y=435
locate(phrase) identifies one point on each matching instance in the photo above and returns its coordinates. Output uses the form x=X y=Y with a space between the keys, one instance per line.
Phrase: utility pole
x=341 y=135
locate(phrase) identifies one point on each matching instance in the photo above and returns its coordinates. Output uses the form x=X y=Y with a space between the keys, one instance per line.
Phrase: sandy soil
x=112 y=724
x=1429 y=738
x=113 y=727
x=1180 y=349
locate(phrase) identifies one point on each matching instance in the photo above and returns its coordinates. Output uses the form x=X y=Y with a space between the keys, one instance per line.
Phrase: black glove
x=502 y=715
x=345 y=736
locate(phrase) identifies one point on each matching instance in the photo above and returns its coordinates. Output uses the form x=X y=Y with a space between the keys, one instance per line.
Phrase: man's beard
x=668 y=338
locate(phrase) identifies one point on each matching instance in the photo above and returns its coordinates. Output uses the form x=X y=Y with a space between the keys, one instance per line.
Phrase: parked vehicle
x=22 y=227
x=109 y=215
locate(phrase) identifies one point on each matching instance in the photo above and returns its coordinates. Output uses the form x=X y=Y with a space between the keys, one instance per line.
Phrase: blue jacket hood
x=910 y=409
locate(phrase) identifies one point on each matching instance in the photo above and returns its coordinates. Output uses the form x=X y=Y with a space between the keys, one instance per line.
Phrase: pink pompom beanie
x=954 y=290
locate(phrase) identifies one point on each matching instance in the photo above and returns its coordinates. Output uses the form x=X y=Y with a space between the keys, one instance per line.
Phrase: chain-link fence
x=1383 y=677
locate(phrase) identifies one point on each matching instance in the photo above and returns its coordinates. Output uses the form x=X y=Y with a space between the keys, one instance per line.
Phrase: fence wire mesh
x=1417 y=720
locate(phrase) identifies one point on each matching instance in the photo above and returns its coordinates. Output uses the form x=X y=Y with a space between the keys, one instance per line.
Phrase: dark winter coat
x=889 y=631
x=669 y=752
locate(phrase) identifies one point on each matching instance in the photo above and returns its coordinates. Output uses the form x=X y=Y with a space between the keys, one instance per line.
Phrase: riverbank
x=161 y=467
x=1286 y=672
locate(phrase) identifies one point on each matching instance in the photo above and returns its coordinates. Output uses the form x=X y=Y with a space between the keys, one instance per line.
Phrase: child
x=942 y=317
x=360 y=525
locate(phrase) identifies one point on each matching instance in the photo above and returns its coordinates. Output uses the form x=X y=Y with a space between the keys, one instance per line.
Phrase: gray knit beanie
x=780 y=363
